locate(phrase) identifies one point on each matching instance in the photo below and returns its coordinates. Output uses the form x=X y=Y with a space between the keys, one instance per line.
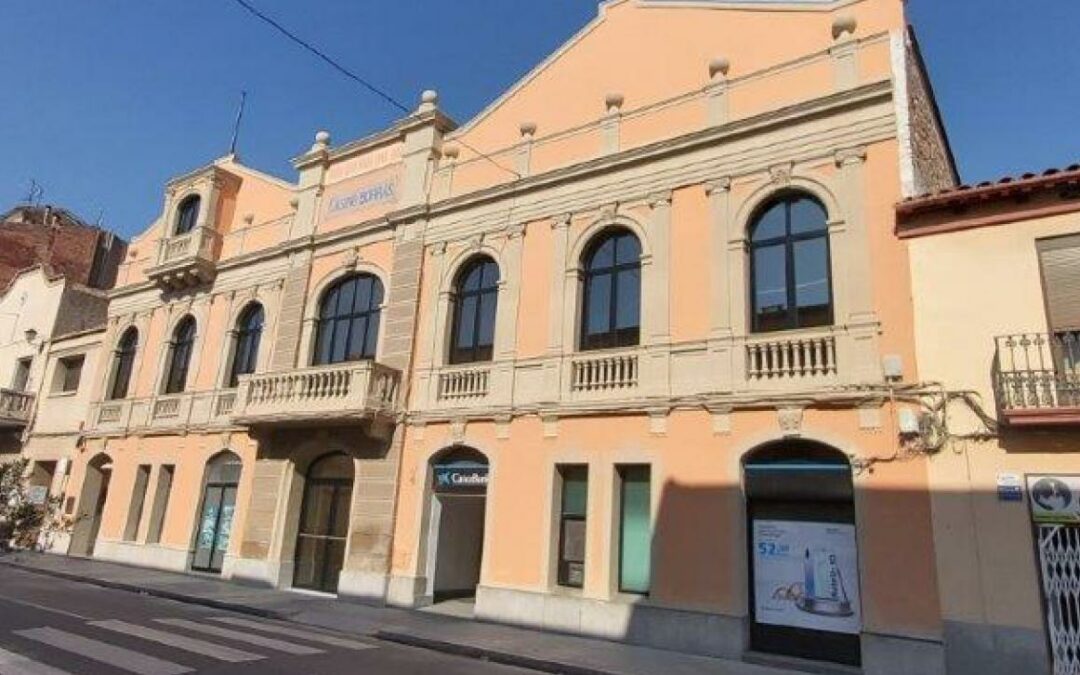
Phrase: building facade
x=620 y=356
x=1004 y=561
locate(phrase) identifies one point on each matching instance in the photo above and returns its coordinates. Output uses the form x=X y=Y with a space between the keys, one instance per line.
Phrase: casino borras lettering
x=369 y=194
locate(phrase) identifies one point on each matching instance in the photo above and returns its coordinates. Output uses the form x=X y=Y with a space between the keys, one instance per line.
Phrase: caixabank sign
x=460 y=478
x=1054 y=499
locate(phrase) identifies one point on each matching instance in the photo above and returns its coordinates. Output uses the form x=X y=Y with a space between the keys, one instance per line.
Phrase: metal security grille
x=1059 y=556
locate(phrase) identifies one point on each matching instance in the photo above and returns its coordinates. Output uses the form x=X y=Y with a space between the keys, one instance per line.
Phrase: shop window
x=475 y=305
x=123 y=364
x=21 y=380
x=348 y=327
x=572 y=524
x=611 y=302
x=160 y=507
x=635 y=529
x=188 y=214
x=68 y=373
x=789 y=265
x=138 y=496
x=246 y=348
x=180 y=349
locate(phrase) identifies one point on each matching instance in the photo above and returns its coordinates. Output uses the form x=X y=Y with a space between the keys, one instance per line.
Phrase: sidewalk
x=547 y=652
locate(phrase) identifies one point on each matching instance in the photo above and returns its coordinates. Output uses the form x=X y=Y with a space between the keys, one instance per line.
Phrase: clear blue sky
x=104 y=101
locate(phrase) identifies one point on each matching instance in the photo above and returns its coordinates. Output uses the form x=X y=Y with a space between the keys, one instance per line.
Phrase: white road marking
x=214 y=651
x=269 y=643
x=293 y=632
x=35 y=605
x=125 y=659
x=14 y=664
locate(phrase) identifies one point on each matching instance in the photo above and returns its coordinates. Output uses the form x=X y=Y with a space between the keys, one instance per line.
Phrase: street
x=51 y=626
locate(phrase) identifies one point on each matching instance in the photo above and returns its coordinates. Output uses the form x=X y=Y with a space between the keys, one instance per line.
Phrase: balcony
x=186 y=260
x=348 y=393
x=165 y=413
x=1037 y=378
x=15 y=407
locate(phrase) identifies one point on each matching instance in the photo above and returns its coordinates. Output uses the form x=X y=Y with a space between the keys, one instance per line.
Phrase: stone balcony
x=360 y=392
x=186 y=260
x=162 y=413
x=15 y=408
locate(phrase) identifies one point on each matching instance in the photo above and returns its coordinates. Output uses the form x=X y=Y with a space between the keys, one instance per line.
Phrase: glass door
x=215 y=526
x=324 y=527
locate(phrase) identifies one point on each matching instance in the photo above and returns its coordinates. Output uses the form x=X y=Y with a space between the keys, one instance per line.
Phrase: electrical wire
x=371 y=88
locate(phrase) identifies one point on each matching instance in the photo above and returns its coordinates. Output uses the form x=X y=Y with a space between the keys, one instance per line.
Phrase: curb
x=494 y=656
x=154 y=592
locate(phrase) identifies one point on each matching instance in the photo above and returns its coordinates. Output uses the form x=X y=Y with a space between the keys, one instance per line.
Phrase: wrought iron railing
x=1037 y=371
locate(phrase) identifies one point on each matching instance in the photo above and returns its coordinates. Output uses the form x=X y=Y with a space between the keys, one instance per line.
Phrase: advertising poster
x=806 y=575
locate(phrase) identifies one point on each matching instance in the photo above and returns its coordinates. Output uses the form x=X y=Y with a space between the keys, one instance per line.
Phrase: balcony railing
x=15 y=407
x=779 y=358
x=187 y=259
x=338 y=393
x=607 y=372
x=191 y=409
x=464 y=383
x=1037 y=377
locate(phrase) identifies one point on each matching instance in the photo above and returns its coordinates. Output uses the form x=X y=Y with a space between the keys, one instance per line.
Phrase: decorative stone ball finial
x=429 y=99
x=613 y=101
x=450 y=151
x=719 y=67
x=322 y=141
x=845 y=23
x=528 y=129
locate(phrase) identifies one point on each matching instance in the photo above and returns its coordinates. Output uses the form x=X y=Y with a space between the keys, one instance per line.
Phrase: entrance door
x=458 y=505
x=1059 y=556
x=804 y=575
x=104 y=474
x=215 y=526
x=324 y=524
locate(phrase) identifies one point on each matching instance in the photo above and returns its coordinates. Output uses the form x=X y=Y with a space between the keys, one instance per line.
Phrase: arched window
x=123 y=363
x=180 y=349
x=789 y=265
x=188 y=214
x=246 y=350
x=475 y=304
x=348 y=328
x=611 y=307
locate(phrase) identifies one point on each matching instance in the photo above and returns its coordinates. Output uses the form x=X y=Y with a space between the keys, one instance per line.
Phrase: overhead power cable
x=371 y=88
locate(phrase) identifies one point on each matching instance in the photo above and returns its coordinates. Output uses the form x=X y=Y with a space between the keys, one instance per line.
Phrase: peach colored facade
x=308 y=470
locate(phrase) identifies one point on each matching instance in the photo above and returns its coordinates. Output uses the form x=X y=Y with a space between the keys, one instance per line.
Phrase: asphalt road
x=50 y=626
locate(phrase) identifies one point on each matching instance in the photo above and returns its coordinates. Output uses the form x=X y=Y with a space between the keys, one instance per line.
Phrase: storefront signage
x=366 y=195
x=1054 y=499
x=806 y=575
x=461 y=479
x=1010 y=488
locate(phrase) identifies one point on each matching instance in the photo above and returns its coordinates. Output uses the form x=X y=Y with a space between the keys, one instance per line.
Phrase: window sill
x=62 y=394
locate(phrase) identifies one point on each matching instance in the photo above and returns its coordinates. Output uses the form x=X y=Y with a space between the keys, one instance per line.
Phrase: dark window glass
x=475 y=305
x=248 y=334
x=612 y=298
x=187 y=215
x=22 y=374
x=348 y=327
x=572 y=517
x=123 y=364
x=789 y=258
x=180 y=356
x=70 y=373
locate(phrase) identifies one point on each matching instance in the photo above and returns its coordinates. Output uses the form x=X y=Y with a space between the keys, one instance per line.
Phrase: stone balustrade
x=15 y=408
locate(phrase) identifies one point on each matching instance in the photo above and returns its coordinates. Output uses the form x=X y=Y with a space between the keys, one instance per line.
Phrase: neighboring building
x=996 y=289
x=62 y=243
x=630 y=372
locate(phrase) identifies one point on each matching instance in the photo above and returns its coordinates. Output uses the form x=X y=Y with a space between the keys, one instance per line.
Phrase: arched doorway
x=804 y=572
x=459 y=479
x=95 y=491
x=220 y=483
x=324 y=523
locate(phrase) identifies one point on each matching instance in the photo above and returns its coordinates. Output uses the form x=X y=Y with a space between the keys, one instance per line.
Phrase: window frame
x=621 y=472
x=65 y=366
x=187 y=215
x=476 y=353
x=373 y=315
x=561 y=563
x=247 y=339
x=613 y=337
x=123 y=358
x=788 y=240
x=177 y=372
x=20 y=379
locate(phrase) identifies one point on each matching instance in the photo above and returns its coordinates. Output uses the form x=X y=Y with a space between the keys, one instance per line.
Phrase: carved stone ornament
x=718 y=185
x=352 y=259
x=780 y=174
x=849 y=156
x=515 y=231
x=790 y=419
x=457 y=430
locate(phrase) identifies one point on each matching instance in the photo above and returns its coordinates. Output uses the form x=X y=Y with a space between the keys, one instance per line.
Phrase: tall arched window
x=188 y=214
x=611 y=307
x=475 y=305
x=124 y=363
x=180 y=348
x=789 y=265
x=348 y=328
x=246 y=350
